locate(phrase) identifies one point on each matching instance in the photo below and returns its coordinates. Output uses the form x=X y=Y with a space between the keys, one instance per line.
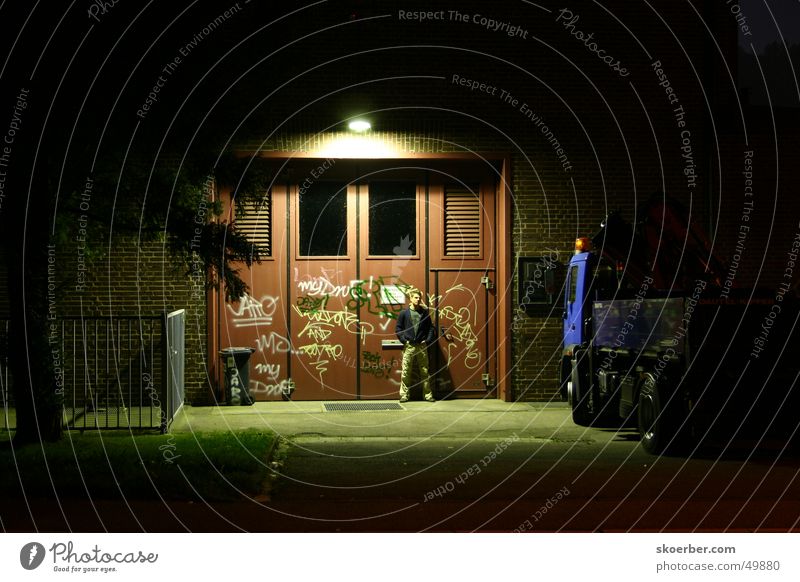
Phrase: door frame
x=503 y=265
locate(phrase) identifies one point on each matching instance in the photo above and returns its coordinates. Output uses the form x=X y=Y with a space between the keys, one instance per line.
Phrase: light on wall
x=360 y=143
x=359 y=125
x=356 y=146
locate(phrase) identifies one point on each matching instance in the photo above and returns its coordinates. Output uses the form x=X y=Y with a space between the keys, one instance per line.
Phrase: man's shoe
x=403 y=399
x=430 y=399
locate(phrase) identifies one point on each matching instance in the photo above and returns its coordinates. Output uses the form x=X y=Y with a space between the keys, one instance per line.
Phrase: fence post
x=165 y=375
x=173 y=354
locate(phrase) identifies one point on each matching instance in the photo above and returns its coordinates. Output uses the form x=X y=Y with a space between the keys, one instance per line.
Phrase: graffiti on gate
x=384 y=296
x=319 y=340
x=311 y=304
x=459 y=322
x=272 y=371
x=274 y=343
x=321 y=285
x=375 y=366
x=461 y=330
x=318 y=331
x=321 y=356
x=343 y=319
x=252 y=312
x=270 y=389
x=320 y=351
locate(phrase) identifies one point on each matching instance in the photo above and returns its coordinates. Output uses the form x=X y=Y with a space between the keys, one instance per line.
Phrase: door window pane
x=323 y=219
x=392 y=218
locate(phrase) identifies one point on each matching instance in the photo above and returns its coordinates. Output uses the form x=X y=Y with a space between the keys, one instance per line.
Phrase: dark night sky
x=772 y=23
x=769 y=20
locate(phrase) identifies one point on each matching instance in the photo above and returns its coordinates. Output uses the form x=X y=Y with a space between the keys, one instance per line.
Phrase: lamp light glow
x=357 y=146
x=359 y=125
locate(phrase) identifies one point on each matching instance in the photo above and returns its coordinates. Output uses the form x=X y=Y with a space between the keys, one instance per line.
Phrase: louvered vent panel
x=462 y=223
x=254 y=221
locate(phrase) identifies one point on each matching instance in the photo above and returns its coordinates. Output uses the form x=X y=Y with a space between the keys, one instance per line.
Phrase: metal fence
x=5 y=391
x=119 y=373
x=174 y=358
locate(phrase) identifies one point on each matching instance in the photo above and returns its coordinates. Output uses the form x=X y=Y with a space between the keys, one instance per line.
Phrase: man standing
x=415 y=331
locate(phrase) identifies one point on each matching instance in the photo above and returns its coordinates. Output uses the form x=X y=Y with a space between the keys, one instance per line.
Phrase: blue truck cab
x=575 y=311
x=670 y=360
x=624 y=341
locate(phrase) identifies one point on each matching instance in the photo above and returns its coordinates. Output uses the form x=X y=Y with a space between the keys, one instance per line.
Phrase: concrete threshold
x=447 y=406
x=302 y=439
x=417 y=420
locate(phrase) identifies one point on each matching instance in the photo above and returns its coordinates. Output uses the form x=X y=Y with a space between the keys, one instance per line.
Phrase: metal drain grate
x=360 y=406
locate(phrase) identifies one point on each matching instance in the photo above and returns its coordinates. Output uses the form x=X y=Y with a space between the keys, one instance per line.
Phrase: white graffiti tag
x=271 y=370
x=275 y=342
x=320 y=286
x=252 y=312
x=348 y=321
x=274 y=389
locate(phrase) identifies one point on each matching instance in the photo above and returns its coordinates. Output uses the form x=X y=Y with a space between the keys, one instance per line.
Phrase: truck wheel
x=579 y=402
x=565 y=375
x=579 y=389
x=651 y=417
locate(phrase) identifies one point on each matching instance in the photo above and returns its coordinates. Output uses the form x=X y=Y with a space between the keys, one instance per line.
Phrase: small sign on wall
x=541 y=280
x=392 y=295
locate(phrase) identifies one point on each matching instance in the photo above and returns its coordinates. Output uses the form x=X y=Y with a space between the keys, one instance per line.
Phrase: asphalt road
x=602 y=482
x=587 y=480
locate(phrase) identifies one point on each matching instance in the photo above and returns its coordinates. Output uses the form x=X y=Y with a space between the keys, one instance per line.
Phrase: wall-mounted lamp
x=359 y=125
x=361 y=143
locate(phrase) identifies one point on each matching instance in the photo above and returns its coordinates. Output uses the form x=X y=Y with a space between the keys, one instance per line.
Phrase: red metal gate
x=345 y=242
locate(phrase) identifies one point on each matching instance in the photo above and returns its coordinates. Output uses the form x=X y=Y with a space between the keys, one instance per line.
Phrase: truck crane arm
x=666 y=245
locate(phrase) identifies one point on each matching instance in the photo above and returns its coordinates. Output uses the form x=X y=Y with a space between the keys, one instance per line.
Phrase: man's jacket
x=405 y=327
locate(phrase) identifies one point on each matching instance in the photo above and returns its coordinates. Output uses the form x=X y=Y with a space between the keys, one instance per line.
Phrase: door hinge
x=487 y=282
x=287 y=389
x=487 y=380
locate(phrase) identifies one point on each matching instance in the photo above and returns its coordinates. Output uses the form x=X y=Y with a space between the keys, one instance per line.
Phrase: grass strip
x=194 y=466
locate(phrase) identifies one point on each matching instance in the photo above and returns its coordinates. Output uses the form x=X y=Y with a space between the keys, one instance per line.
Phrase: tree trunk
x=31 y=270
x=34 y=340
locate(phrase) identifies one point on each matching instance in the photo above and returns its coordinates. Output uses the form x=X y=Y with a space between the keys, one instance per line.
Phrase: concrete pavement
x=450 y=466
x=463 y=419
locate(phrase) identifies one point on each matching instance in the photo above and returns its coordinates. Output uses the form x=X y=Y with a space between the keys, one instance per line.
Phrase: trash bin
x=237 y=375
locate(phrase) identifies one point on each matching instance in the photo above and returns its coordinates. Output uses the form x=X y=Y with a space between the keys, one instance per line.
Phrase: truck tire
x=652 y=421
x=580 y=403
x=579 y=391
x=564 y=377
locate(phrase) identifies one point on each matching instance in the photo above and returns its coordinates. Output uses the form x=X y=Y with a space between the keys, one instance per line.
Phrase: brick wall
x=620 y=134
x=137 y=280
